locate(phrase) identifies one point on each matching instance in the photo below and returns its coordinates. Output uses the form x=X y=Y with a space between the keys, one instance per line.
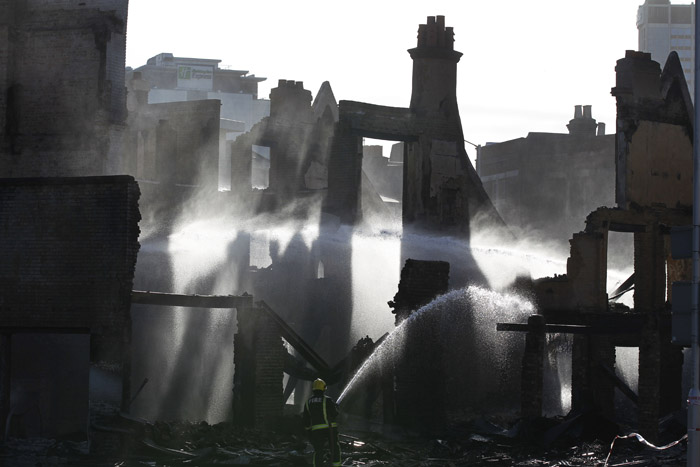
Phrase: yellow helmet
x=319 y=385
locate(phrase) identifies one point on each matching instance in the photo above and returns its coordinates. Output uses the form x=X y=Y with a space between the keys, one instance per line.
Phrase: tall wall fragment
x=63 y=97
x=69 y=249
x=441 y=190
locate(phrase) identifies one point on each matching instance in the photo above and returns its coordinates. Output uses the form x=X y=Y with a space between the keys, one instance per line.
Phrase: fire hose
x=641 y=439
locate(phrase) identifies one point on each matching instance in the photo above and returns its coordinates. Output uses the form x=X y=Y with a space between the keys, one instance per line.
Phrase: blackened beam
x=192 y=301
x=234 y=301
x=631 y=328
x=621 y=323
x=298 y=343
x=625 y=287
x=621 y=385
x=550 y=328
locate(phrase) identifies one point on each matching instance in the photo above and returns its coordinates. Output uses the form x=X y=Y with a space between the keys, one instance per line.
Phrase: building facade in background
x=664 y=28
x=181 y=79
x=546 y=183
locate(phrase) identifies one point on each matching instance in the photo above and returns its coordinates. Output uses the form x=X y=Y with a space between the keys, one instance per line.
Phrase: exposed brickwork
x=532 y=381
x=649 y=298
x=69 y=249
x=259 y=360
x=59 y=112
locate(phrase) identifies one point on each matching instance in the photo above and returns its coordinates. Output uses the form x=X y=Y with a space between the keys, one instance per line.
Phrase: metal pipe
x=693 y=455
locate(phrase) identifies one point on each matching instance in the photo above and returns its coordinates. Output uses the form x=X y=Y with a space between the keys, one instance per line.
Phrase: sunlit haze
x=525 y=64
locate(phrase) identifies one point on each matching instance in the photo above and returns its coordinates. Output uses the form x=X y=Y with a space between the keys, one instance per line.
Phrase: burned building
x=70 y=227
x=653 y=192
x=315 y=169
x=546 y=183
x=64 y=97
x=69 y=253
x=172 y=149
x=298 y=134
x=167 y=78
x=441 y=190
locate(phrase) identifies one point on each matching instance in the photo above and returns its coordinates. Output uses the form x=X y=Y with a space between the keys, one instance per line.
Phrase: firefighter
x=320 y=415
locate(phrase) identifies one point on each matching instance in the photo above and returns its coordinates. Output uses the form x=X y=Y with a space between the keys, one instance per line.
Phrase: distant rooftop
x=167 y=60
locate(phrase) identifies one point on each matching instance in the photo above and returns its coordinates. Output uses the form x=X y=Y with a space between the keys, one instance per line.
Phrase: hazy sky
x=525 y=64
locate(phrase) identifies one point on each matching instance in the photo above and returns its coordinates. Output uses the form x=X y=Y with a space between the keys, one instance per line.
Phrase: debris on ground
x=478 y=443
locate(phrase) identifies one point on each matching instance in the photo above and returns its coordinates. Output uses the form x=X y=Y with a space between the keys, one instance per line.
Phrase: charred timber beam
x=636 y=220
x=633 y=327
x=299 y=344
x=621 y=385
x=625 y=287
x=297 y=369
x=191 y=301
x=549 y=328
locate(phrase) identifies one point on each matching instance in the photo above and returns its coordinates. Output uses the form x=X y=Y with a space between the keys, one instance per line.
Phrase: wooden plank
x=190 y=301
x=621 y=385
x=299 y=344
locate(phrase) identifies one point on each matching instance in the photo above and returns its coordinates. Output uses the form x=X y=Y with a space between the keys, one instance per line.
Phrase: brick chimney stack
x=435 y=73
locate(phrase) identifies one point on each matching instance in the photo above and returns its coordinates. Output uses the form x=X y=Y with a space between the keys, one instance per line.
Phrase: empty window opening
x=382 y=166
x=260 y=173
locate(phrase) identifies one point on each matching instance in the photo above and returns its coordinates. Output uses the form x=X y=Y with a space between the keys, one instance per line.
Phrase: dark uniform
x=320 y=414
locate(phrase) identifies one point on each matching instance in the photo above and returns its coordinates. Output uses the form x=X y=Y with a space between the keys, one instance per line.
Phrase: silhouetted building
x=663 y=28
x=178 y=79
x=441 y=190
x=547 y=183
x=653 y=191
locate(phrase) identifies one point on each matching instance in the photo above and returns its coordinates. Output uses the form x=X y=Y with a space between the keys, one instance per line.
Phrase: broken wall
x=175 y=143
x=298 y=135
x=259 y=359
x=441 y=190
x=69 y=248
x=63 y=98
x=654 y=142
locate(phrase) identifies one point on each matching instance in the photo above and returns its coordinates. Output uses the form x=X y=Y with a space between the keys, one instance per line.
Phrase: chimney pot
x=577 y=111
x=587 y=111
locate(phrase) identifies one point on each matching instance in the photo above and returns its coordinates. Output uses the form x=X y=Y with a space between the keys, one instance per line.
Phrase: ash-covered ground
x=125 y=442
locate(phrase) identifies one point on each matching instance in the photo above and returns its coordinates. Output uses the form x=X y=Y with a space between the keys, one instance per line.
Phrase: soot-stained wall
x=68 y=250
x=62 y=99
x=68 y=255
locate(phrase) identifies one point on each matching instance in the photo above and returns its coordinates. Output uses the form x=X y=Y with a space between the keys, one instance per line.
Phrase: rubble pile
x=479 y=443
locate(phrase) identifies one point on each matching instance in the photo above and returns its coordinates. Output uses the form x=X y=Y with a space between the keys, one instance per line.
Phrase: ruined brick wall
x=63 y=86
x=259 y=366
x=69 y=249
x=175 y=143
x=654 y=142
x=344 y=174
